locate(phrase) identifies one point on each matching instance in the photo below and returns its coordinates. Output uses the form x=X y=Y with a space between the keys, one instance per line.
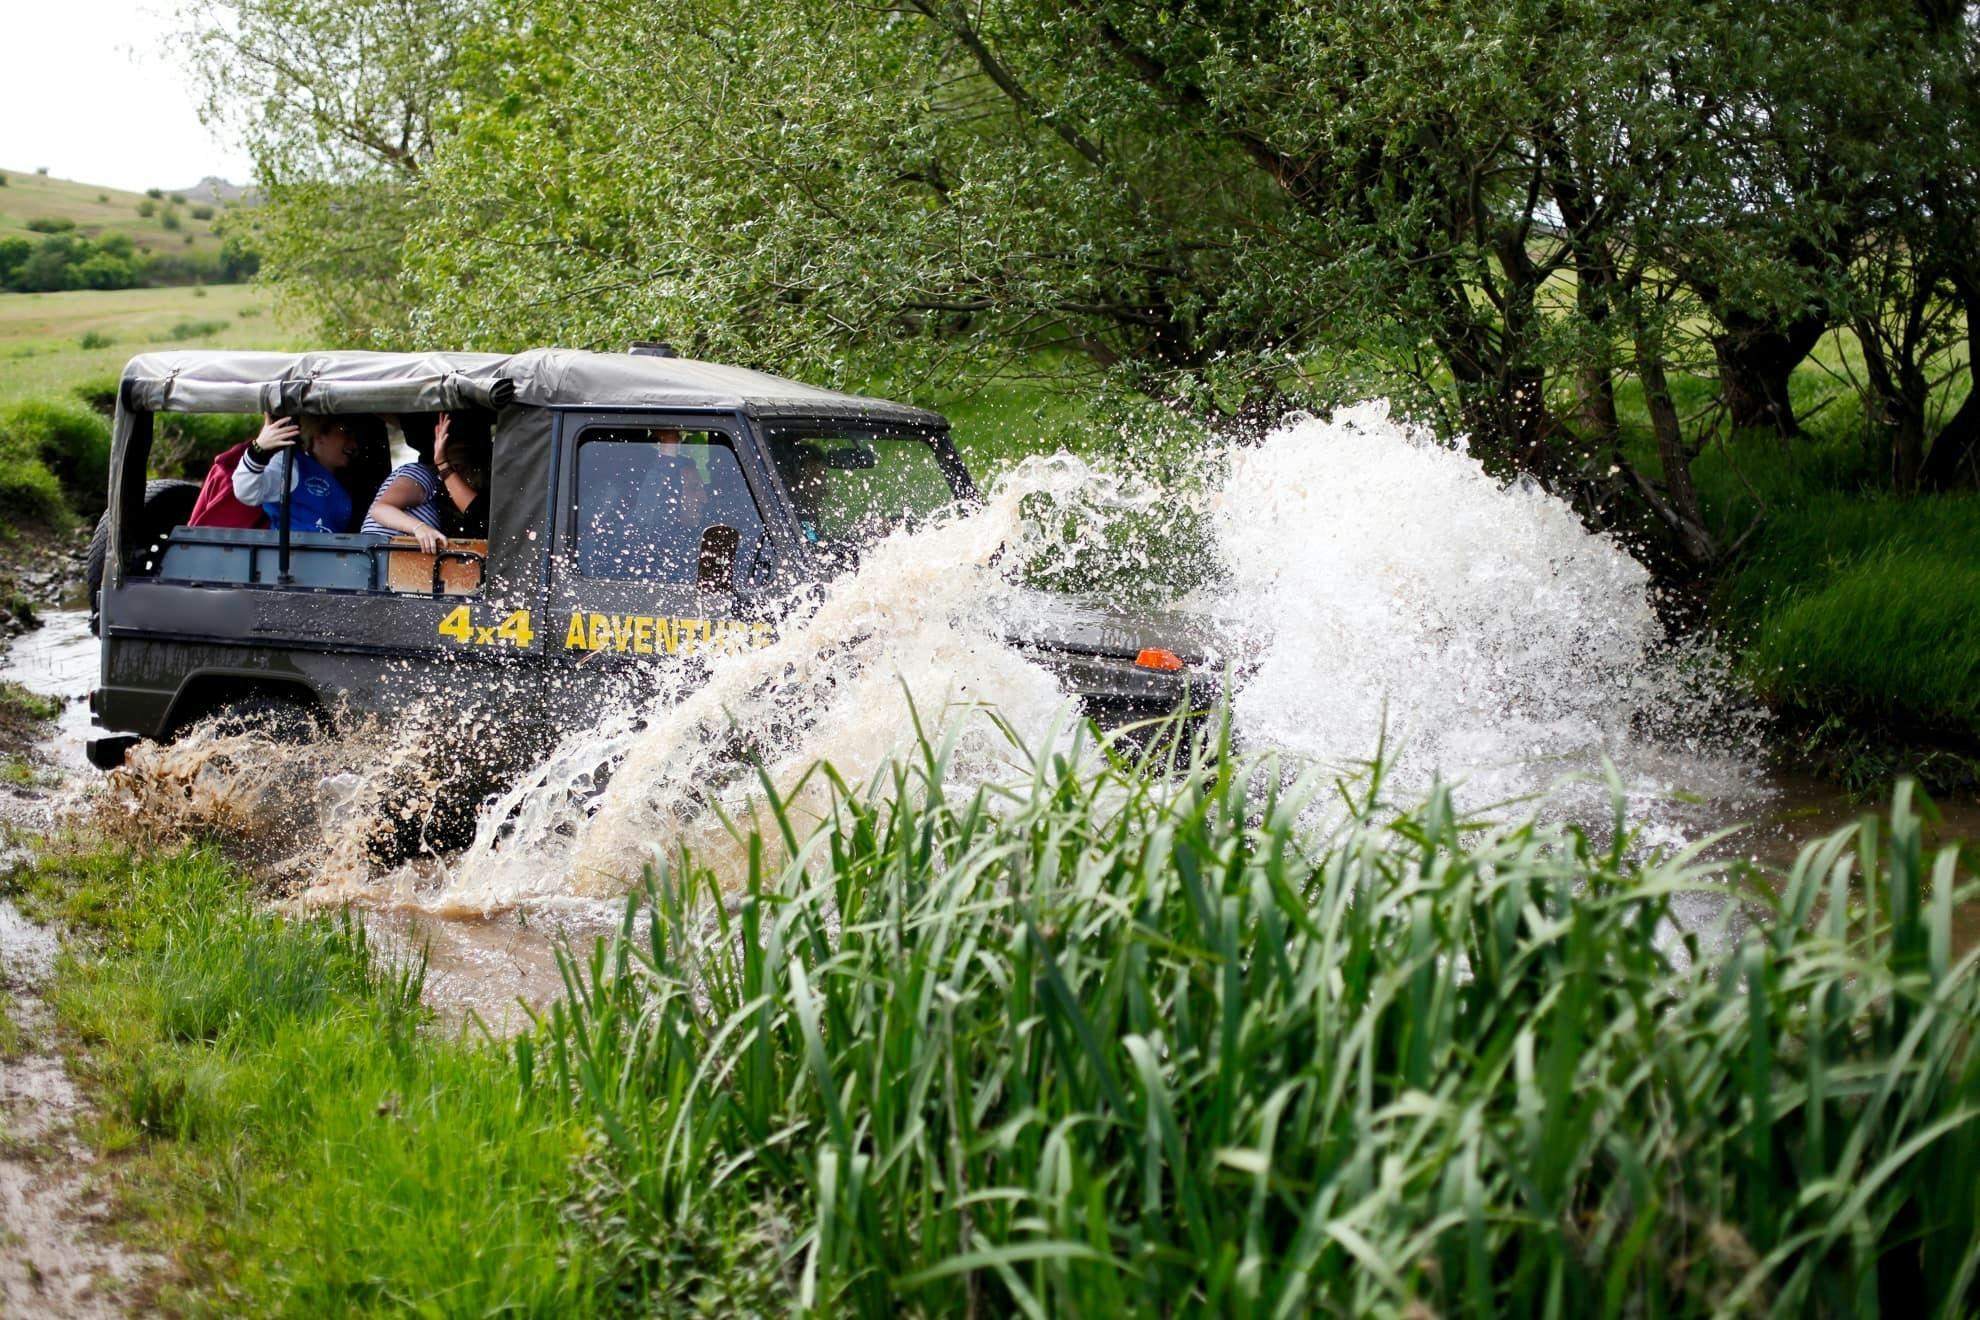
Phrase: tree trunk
x=1678 y=506
x=1595 y=402
x=1756 y=362
x=1955 y=456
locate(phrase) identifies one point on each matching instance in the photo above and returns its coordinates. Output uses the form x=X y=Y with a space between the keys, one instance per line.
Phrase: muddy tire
x=167 y=504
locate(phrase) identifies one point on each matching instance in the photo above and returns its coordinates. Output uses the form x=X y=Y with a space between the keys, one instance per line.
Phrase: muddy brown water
x=498 y=966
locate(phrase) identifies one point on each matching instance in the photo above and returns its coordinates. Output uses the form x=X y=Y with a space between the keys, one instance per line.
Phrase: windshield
x=850 y=490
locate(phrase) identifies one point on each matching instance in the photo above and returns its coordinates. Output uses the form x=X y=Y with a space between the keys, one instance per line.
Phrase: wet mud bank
x=59 y=1252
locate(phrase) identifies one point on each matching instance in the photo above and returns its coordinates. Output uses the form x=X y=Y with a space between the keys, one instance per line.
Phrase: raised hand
x=276 y=433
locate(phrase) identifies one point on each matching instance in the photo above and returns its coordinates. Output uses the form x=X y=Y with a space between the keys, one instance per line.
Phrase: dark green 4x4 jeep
x=644 y=510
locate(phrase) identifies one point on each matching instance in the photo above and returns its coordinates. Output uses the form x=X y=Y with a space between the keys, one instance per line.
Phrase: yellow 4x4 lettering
x=513 y=630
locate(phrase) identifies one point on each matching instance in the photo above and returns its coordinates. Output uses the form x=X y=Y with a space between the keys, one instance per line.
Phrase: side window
x=655 y=505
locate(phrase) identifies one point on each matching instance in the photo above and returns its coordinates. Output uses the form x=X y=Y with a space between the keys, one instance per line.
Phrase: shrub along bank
x=1088 y=1045
x=1855 y=613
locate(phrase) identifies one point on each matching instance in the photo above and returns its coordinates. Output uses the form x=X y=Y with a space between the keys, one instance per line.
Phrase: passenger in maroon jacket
x=216 y=505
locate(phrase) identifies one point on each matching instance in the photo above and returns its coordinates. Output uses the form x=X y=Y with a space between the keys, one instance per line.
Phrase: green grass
x=1099 y=1042
x=13 y=1039
x=41 y=352
x=291 y=1131
x=24 y=717
x=1853 y=612
x=97 y=211
x=1103 y=1045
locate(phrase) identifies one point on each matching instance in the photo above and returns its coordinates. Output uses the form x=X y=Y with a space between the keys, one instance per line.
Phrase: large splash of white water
x=1389 y=591
x=1480 y=630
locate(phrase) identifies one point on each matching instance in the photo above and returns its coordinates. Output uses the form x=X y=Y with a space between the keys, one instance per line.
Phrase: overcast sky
x=90 y=89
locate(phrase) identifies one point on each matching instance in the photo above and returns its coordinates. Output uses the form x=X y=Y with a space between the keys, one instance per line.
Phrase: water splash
x=1387 y=586
x=1479 y=630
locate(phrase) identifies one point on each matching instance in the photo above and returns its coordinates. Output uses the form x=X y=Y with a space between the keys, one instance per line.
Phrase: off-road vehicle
x=645 y=511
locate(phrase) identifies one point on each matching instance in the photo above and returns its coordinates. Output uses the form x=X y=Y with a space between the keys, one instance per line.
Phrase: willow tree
x=340 y=104
x=1494 y=210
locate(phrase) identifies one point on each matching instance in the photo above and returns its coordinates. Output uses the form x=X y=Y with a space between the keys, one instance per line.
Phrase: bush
x=28 y=491
x=1102 y=1045
x=169 y=218
x=70 y=261
x=193 y=330
x=180 y=268
x=202 y=212
x=154 y=193
x=184 y=444
x=98 y=393
x=179 y=199
x=147 y=208
x=51 y=224
x=70 y=442
x=14 y=254
x=94 y=339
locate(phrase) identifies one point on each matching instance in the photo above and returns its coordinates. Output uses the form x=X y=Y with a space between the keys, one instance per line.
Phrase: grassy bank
x=1855 y=613
x=287 y=1127
x=1080 y=1046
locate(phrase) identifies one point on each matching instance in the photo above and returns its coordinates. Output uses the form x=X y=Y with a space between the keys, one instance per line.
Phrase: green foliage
x=194 y=329
x=28 y=490
x=19 y=704
x=67 y=441
x=340 y=139
x=147 y=208
x=94 y=339
x=1100 y=1046
x=184 y=444
x=64 y=260
x=51 y=224
x=292 y=1137
x=98 y=394
x=1887 y=636
x=169 y=218
x=201 y=212
x=154 y=194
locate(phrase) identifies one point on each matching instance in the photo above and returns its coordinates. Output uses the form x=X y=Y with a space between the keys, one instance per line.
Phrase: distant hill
x=177 y=226
x=215 y=189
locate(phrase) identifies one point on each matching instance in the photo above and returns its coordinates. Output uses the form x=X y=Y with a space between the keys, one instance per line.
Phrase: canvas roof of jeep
x=218 y=381
x=542 y=379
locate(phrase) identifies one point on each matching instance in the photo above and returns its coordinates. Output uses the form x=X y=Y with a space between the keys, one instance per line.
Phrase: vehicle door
x=662 y=543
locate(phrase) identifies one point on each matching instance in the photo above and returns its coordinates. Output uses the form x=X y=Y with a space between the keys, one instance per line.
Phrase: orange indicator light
x=1155 y=657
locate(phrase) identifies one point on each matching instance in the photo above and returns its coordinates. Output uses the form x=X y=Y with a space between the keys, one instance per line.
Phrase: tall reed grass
x=1123 y=1042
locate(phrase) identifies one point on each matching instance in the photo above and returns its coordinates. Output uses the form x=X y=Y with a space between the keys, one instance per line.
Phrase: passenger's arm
x=258 y=477
x=459 y=489
x=389 y=510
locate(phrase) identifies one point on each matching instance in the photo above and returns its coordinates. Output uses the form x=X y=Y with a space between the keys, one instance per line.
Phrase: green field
x=100 y=211
x=41 y=334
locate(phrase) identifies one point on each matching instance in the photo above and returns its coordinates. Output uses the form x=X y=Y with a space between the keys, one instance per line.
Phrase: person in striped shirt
x=410 y=501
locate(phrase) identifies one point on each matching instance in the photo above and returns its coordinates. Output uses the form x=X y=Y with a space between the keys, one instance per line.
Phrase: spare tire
x=167 y=504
